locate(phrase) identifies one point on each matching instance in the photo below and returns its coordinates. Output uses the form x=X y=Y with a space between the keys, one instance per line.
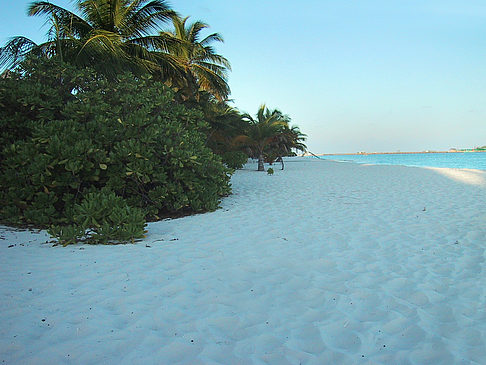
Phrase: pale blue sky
x=362 y=75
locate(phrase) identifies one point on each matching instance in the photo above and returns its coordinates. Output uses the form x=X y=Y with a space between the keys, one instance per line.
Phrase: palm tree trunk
x=260 y=162
x=281 y=160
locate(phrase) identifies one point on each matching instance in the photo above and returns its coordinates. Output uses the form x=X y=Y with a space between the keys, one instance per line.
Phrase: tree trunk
x=260 y=162
x=281 y=160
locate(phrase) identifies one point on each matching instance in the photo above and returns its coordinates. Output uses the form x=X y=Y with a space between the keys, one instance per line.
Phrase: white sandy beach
x=323 y=263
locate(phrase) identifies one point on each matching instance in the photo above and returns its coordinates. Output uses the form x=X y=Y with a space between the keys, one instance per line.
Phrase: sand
x=323 y=263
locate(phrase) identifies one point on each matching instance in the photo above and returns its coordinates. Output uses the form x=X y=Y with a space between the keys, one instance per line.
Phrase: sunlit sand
x=323 y=263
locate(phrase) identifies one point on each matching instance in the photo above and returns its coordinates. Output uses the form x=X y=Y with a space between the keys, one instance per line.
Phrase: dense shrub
x=234 y=159
x=102 y=217
x=128 y=138
x=34 y=95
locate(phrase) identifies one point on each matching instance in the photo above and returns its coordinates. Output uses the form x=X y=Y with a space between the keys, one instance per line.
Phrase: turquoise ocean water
x=467 y=160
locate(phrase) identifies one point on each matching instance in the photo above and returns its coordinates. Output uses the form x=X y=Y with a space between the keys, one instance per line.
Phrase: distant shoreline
x=388 y=153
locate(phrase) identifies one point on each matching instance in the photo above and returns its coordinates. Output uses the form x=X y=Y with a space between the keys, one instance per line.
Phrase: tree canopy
x=116 y=119
x=270 y=133
x=110 y=36
x=203 y=69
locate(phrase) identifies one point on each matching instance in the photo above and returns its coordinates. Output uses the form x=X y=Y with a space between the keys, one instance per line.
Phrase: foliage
x=128 y=138
x=102 y=217
x=269 y=136
x=262 y=131
x=234 y=159
x=203 y=69
x=110 y=36
x=127 y=35
x=270 y=171
x=224 y=122
x=288 y=140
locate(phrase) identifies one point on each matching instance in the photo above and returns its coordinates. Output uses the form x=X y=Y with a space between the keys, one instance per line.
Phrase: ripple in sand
x=339 y=336
x=435 y=352
x=308 y=339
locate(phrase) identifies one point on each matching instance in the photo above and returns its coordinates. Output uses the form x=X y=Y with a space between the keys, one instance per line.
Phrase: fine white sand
x=323 y=263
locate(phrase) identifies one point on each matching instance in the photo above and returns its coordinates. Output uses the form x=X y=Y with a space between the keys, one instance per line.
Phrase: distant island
x=477 y=149
x=451 y=150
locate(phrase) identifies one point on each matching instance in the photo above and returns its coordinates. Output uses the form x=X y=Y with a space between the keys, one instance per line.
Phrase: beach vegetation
x=202 y=69
x=261 y=132
x=234 y=159
x=270 y=136
x=225 y=123
x=84 y=133
x=115 y=120
x=109 y=36
x=287 y=142
x=116 y=36
x=101 y=217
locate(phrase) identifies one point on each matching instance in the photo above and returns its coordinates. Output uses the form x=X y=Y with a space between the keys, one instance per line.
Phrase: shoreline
x=346 y=263
x=387 y=153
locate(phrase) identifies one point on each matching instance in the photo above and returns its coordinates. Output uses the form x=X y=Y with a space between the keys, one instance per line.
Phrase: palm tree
x=108 y=35
x=290 y=138
x=263 y=131
x=225 y=122
x=203 y=69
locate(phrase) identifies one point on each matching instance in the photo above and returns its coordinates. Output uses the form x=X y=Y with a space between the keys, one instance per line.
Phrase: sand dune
x=323 y=263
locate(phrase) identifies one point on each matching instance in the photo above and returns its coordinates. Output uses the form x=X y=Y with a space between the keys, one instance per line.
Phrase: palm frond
x=140 y=21
x=15 y=51
x=210 y=67
x=205 y=69
x=161 y=42
x=212 y=82
x=69 y=20
x=194 y=30
x=215 y=37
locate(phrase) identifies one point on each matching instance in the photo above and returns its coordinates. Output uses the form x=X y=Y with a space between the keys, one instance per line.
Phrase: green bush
x=36 y=93
x=102 y=217
x=128 y=138
x=234 y=159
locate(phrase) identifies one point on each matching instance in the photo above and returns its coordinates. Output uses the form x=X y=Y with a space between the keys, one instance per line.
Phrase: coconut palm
x=263 y=131
x=225 y=122
x=203 y=69
x=108 y=35
x=289 y=138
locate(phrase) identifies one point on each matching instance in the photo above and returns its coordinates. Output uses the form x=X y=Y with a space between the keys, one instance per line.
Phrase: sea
x=465 y=160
